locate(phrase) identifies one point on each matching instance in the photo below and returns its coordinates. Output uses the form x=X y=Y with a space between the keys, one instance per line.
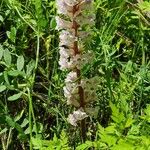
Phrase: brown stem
x=80 y=89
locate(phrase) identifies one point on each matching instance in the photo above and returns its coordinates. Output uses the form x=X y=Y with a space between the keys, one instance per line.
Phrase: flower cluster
x=74 y=22
x=77 y=116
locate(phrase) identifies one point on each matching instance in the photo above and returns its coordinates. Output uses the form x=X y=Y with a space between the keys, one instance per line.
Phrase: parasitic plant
x=74 y=21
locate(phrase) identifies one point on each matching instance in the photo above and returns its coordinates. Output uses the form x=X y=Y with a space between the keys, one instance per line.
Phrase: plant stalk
x=78 y=72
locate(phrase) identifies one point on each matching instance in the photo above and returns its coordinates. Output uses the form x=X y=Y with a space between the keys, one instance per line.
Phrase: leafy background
x=33 y=109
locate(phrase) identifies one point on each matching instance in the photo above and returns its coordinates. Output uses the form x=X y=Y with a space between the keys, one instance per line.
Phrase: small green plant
x=122 y=133
x=54 y=144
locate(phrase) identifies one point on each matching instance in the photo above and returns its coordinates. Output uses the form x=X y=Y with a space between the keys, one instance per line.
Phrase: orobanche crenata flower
x=74 y=21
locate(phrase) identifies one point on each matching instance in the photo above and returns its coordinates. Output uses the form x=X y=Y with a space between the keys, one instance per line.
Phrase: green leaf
x=116 y=115
x=1 y=19
x=82 y=147
x=128 y=67
x=37 y=143
x=1 y=52
x=123 y=145
x=27 y=131
x=147 y=110
x=7 y=57
x=20 y=63
x=110 y=129
x=129 y=122
x=3 y=131
x=24 y=123
x=12 y=34
x=53 y=23
x=15 y=73
x=19 y=116
x=1 y=77
x=41 y=20
x=14 y=124
x=145 y=6
x=6 y=77
x=15 y=97
x=10 y=121
x=85 y=146
x=30 y=67
x=109 y=139
x=2 y=88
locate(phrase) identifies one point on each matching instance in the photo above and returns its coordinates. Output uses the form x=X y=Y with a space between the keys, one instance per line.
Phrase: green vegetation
x=33 y=109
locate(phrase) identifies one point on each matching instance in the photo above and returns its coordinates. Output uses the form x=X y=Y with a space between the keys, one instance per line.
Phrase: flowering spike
x=74 y=25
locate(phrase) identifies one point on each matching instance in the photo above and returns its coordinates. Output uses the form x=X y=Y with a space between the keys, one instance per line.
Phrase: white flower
x=66 y=38
x=77 y=61
x=76 y=116
x=70 y=89
x=71 y=77
x=72 y=120
x=65 y=52
x=62 y=24
x=63 y=7
x=71 y=93
x=80 y=114
x=63 y=62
